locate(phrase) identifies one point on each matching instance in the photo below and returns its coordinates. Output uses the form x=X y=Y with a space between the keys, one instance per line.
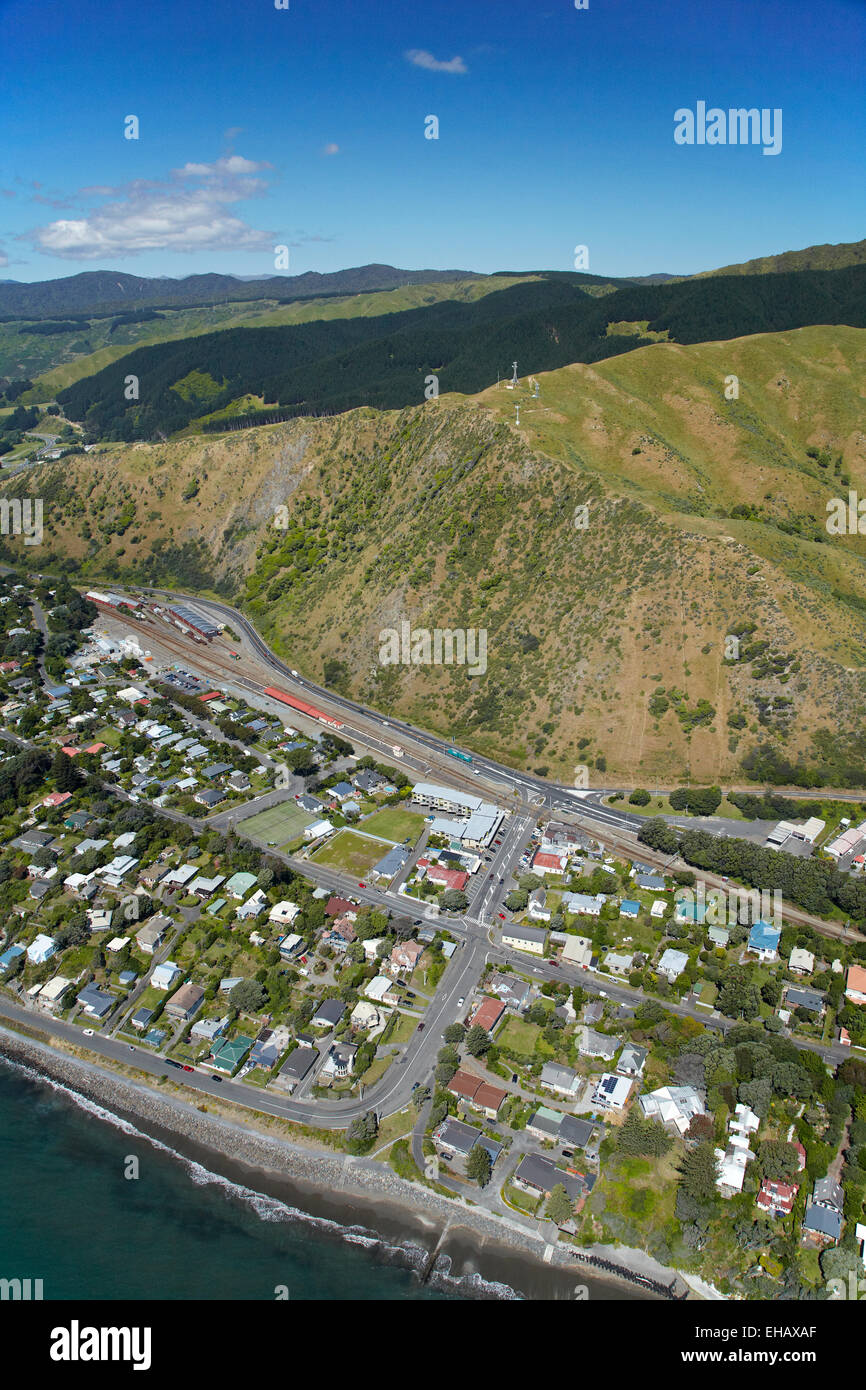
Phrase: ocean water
x=183 y=1230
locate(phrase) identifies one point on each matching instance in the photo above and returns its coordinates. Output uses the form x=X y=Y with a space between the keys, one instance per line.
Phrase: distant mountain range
x=96 y=292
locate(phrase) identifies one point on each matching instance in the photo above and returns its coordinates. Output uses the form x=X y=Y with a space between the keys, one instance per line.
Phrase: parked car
x=188 y=1068
x=502 y=915
x=88 y=1032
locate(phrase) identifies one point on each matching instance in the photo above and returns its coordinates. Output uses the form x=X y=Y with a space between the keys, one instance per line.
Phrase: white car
x=88 y=1032
x=460 y=1002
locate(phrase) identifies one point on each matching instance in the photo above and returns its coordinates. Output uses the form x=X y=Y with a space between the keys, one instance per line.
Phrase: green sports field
x=393 y=823
x=352 y=853
x=280 y=824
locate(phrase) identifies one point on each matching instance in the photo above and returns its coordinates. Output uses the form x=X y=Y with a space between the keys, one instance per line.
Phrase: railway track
x=206 y=658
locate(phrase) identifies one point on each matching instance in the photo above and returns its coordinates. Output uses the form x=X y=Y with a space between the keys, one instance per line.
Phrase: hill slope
x=386 y=361
x=606 y=643
x=824 y=257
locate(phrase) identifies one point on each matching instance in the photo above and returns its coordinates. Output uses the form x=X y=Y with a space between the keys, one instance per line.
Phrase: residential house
x=583 y=904
x=673 y=1106
x=560 y=1079
x=593 y=1044
x=764 y=941
x=652 y=882
x=186 y=1002
x=577 y=950
x=855 y=985
x=290 y=946
x=253 y=907
x=632 y=1060
x=96 y=1003
x=617 y=963
x=672 y=964
x=340 y=1061
x=809 y=999
x=295 y=1068
x=801 y=962
x=777 y=1198
x=404 y=958
x=536 y=905
x=328 y=1014
x=229 y=1053
x=41 y=949
x=539 y=1175
x=822 y=1223
x=611 y=1091
x=629 y=907
x=478 y=1094
x=152 y=934
x=516 y=994
x=487 y=1014
x=165 y=976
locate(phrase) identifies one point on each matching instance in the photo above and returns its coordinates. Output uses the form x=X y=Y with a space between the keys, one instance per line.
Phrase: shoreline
x=356 y=1195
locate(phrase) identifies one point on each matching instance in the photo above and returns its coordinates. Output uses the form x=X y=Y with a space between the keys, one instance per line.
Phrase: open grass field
x=349 y=852
x=278 y=823
x=519 y=1037
x=395 y=824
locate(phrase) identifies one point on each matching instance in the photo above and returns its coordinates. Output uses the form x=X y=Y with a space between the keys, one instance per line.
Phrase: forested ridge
x=336 y=365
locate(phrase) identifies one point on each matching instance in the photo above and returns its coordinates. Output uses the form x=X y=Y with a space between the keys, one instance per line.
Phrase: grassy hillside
x=824 y=257
x=385 y=361
x=606 y=642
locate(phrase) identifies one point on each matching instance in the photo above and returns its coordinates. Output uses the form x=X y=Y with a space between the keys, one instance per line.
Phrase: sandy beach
x=490 y=1257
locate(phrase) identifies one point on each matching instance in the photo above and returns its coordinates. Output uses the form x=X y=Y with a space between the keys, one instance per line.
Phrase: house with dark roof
x=822 y=1222
x=539 y=1175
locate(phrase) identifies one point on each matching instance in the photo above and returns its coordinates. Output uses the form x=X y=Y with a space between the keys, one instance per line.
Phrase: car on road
x=415 y=1085
x=568 y=1153
x=294 y=673
x=490 y=875
x=460 y=1002
x=362 y=885
x=514 y=1076
x=131 y=1047
x=88 y=1032
x=502 y=915
x=188 y=1068
x=420 y=1027
x=214 y=1077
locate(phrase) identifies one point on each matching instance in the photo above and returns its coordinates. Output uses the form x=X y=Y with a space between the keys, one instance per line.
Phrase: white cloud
x=331 y=149
x=189 y=211
x=422 y=59
x=4 y=259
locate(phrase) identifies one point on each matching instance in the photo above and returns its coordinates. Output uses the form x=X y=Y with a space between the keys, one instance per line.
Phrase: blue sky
x=305 y=127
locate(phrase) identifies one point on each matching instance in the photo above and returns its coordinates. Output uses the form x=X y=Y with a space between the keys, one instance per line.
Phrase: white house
x=672 y=964
x=801 y=962
x=41 y=949
x=165 y=975
x=284 y=914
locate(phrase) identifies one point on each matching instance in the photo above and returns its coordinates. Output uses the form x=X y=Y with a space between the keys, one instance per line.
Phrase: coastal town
x=225 y=890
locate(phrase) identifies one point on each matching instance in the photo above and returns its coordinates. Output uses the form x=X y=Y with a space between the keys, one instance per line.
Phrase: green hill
x=826 y=257
x=386 y=361
x=608 y=628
